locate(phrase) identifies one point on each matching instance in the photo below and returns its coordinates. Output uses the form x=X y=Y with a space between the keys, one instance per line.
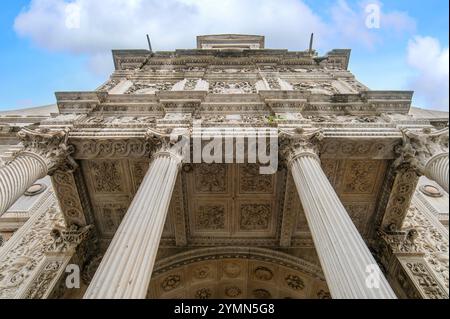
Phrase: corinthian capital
x=170 y=141
x=417 y=148
x=298 y=142
x=49 y=147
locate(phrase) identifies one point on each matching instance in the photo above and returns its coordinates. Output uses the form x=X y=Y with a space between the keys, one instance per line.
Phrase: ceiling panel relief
x=236 y=278
x=231 y=201
x=357 y=183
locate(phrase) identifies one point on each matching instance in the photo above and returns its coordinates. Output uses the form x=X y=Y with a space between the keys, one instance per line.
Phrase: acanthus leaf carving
x=49 y=147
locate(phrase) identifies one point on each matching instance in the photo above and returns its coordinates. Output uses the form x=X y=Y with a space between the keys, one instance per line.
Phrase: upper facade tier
x=234 y=73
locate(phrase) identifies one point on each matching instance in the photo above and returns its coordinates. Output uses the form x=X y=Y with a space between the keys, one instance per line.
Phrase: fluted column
x=126 y=268
x=437 y=170
x=345 y=259
x=17 y=177
x=42 y=152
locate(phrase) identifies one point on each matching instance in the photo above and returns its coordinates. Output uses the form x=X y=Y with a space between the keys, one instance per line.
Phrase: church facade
x=229 y=171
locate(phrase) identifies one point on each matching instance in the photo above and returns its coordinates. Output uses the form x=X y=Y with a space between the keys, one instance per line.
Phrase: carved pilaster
x=71 y=245
x=416 y=258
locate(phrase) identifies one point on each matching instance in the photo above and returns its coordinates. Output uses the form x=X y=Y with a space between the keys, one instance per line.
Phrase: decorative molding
x=49 y=147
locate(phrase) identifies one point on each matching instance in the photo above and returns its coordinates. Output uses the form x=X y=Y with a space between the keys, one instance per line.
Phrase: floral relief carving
x=106 y=177
x=190 y=84
x=233 y=291
x=315 y=87
x=251 y=181
x=19 y=263
x=171 y=282
x=112 y=215
x=232 y=88
x=425 y=280
x=41 y=284
x=295 y=282
x=322 y=294
x=211 y=178
x=263 y=273
x=255 y=216
x=361 y=177
x=204 y=293
x=210 y=217
x=262 y=294
x=430 y=241
x=149 y=88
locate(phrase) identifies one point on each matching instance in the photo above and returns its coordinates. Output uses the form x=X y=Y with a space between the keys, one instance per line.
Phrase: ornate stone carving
x=315 y=87
x=262 y=294
x=211 y=178
x=67 y=239
x=171 y=282
x=263 y=273
x=49 y=147
x=204 y=293
x=167 y=141
x=40 y=285
x=418 y=148
x=106 y=176
x=210 y=217
x=190 y=84
x=134 y=148
x=429 y=240
x=298 y=142
x=149 y=88
x=255 y=216
x=232 y=269
x=403 y=188
x=425 y=280
x=232 y=88
x=68 y=196
x=251 y=181
x=322 y=294
x=274 y=83
x=18 y=264
x=202 y=272
x=112 y=215
x=233 y=291
x=109 y=85
x=295 y=282
x=361 y=177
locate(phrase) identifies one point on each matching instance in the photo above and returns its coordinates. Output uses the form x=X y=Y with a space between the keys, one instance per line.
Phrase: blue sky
x=61 y=45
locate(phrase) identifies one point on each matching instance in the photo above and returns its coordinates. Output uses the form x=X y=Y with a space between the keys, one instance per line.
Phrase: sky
x=65 y=45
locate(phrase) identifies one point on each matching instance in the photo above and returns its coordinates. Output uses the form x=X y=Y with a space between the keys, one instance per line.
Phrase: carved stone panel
x=252 y=182
x=255 y=217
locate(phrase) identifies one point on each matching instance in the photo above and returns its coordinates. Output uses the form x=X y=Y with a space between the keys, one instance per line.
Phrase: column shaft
x=127 y=266
x=17 y=177
x=346 y=260
x=437 y=170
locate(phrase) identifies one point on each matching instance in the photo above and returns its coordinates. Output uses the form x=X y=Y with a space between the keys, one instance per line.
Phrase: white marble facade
x=360 y=186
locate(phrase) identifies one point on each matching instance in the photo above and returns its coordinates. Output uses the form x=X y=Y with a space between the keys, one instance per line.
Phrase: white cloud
x=93 y=28
x=431 y=63
x=112 y=24
x=349 y=24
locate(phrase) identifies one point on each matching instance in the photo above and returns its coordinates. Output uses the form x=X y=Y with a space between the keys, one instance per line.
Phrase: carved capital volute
x=298 y=142
x=50 y=148
x=402 y=242
x=172 y=143
x=417 y=149
x=67 y=239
